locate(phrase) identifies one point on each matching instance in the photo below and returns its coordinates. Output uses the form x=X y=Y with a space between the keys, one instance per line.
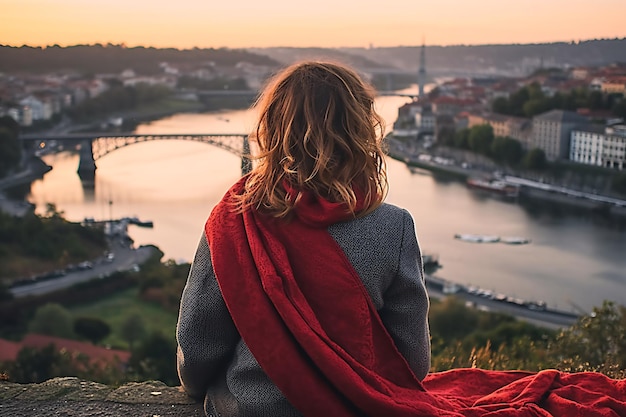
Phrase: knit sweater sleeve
x=205 y=332
x=406 y=303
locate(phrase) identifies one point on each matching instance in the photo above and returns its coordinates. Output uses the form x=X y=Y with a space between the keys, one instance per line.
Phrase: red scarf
x=304 y=313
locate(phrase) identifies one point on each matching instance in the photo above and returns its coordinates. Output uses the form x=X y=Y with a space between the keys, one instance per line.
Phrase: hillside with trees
x=505 y=59
x=109 y=58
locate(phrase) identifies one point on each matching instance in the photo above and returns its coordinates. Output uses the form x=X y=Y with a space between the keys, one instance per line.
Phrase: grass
x=115 y=309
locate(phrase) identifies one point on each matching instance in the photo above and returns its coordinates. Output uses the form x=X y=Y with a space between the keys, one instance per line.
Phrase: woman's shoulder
x=386 y=218
x=388 y=213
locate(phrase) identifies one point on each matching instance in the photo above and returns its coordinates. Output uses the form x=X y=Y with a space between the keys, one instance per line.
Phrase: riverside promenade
x=529 y=188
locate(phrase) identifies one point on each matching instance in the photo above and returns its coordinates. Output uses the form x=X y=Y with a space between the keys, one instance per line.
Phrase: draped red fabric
x=304 y=313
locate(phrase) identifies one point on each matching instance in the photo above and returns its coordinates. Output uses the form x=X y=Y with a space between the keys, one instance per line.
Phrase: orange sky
x=324 y=23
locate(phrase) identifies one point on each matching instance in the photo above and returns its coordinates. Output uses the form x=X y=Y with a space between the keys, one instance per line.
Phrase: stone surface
x=70 y=397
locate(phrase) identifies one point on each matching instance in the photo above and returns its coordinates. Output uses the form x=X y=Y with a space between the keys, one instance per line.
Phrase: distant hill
x=512 y=59
x=515 y=60
x=287 y=56
x=92 y=59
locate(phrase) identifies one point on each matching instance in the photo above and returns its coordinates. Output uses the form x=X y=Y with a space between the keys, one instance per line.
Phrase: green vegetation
x=129 y=317
x=143 y=319
x=33 y=244
x=530 y=101
x=481 y=139
x=137 y=311
x=10 y=150
x=508 y=152
x=108 y=59
x=53 y=320
x=464 y=337
x=38 y=365
x=91 y=328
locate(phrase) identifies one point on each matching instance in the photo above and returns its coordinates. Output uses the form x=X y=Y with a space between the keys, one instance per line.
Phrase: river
x=572 y=263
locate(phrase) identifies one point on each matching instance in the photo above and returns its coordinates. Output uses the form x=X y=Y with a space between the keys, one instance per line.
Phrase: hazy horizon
x=189 y=24
x=310 y=46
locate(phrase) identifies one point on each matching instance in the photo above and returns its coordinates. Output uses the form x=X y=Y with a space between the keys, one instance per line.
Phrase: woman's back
x=383 y=250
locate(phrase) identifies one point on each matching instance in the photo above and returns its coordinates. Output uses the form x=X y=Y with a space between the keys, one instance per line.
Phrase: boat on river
x=494 y=185
x=477 y=238
x=514 y=240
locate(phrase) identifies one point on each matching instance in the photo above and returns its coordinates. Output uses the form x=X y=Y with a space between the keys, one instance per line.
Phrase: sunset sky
x=323 y=23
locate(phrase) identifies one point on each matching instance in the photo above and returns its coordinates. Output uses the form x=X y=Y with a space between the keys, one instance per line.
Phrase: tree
x=154 y=358
x=133 y=329
x=5 y=294
x=535 y=159
x=54 y=320
x=91 y=328
x=450 y=320
x=480 y=138
x=507 y=150
x=10 y=150
x=461 y=139
x=37 y=365
x=536 y=106
x=446 y=136
x=597 y=342
x=500 y=105
x=619 y=183
x=517 y=100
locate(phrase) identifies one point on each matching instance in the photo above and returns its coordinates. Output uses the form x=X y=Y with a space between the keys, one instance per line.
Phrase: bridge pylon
x=87 y=164
x=246 y=162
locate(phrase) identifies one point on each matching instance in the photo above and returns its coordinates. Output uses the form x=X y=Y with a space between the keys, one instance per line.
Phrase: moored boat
x=515 y=240
x=494 y=186
x=477 y=238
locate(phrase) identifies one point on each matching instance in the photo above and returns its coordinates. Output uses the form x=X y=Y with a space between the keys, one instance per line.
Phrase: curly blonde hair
x=317 y=130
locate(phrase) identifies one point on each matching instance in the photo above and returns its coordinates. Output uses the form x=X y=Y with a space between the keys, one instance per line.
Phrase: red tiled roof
x=8 y=350
x=40 y=341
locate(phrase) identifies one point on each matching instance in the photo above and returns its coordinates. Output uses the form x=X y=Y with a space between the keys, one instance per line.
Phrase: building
x=414 y=119
x=41 y=109
x=603 y=146
x=614 y=85
x=517 y=128
x=452 y=105
x=551 y=132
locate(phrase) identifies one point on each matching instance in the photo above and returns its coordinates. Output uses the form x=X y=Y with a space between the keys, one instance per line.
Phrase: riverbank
x=529 y=189
x=146 y=113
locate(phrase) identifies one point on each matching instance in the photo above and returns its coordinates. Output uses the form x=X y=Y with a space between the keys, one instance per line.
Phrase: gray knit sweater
x=215 y=364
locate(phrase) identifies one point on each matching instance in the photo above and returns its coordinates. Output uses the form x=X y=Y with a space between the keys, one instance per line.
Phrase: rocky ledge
x=70 y=397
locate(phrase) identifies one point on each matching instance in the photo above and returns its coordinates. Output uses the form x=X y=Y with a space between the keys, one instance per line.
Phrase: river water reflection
x=570 y=262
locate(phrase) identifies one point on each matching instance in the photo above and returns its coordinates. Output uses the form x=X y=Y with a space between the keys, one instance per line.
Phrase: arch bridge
x=94 y=146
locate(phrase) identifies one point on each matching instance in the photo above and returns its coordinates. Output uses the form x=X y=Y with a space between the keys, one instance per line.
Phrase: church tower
x=421 y=75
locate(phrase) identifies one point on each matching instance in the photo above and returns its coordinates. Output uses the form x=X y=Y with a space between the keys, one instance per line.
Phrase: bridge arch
x=101 y=145
x=95 y=145
x=234 y=143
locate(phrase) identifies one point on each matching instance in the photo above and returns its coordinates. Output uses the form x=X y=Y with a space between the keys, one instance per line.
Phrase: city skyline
x=246 y=24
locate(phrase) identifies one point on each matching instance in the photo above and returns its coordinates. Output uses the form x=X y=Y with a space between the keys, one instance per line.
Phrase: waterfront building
x=603 y=146
x=614 y=85
x=414 y=118
x=551 y=132
x=447 y=105
x=41 y=109
x=518 y=128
